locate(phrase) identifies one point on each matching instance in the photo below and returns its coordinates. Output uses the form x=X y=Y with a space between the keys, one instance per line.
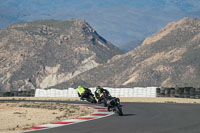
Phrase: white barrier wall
x=115 y=92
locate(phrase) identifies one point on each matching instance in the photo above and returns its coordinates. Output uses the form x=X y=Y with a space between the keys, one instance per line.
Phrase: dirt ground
x=20 y=116
x=159 y=100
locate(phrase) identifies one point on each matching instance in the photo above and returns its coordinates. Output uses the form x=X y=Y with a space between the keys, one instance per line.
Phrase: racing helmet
x=98 y=87
x=79 y=86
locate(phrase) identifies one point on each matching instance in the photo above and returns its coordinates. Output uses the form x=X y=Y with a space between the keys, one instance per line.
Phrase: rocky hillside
x=168 y=58
x=45 y=53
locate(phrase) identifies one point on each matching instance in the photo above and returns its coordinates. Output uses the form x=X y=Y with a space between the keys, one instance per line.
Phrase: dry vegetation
x=16 y=117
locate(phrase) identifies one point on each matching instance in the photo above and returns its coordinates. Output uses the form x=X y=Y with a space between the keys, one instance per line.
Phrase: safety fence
x=185 y=92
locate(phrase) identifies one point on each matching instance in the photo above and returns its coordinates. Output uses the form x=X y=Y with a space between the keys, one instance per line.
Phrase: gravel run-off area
x=16 y=117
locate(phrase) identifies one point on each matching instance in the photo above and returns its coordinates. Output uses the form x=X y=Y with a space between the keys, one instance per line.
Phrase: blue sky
x=118 y=21
x=50 y=5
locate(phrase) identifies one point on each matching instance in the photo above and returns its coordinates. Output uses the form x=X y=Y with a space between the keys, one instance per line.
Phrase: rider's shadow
x=129 y=114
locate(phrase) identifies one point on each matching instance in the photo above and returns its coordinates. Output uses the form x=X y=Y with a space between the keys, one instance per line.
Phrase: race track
x=141 y=118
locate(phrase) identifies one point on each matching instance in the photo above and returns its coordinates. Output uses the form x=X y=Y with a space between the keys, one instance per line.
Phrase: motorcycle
x=113 y=104
x=88 y=96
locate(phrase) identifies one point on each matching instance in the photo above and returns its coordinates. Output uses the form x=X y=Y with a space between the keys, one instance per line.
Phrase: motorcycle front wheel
x=118 y=110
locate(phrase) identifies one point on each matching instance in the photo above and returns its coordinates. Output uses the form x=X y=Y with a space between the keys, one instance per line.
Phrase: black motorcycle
x=113 y=104
x=88 y=96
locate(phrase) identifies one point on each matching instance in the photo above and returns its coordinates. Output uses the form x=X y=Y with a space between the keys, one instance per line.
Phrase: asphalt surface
x=141 y=118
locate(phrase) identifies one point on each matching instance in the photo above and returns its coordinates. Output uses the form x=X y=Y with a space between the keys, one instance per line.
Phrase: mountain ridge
x=168 y=58
x=71 y=53
x=44 y=53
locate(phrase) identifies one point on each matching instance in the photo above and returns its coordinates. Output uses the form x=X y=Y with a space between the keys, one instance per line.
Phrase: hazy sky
x=118 y=21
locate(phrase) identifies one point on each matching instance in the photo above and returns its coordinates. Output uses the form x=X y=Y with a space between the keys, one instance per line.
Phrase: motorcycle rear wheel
x=92 y=99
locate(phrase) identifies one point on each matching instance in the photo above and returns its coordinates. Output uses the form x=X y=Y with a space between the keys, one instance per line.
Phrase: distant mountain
x=168 y=58
x=118 y=21
x=45 y=53
x=130 y=46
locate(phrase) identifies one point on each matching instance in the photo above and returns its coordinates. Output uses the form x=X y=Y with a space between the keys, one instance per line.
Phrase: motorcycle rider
x=103 y=95
x=81 y=92
x=99 y=94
